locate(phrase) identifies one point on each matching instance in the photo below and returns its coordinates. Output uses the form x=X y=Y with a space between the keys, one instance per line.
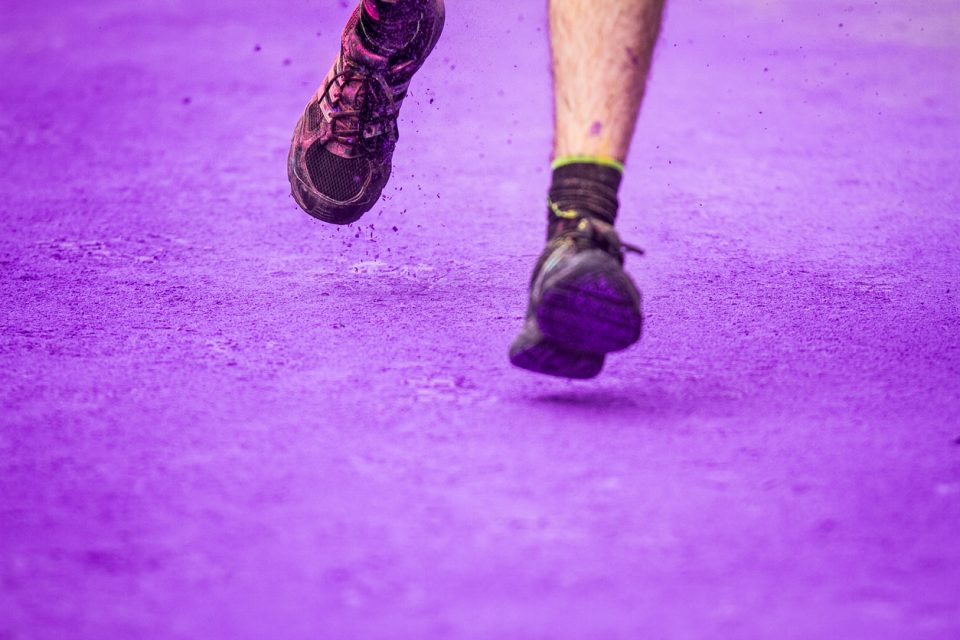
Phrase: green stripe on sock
x=605 y=161
x=569 y=214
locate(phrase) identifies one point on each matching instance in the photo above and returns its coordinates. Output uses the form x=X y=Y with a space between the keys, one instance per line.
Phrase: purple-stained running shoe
x=340 y=157
x=583 y=305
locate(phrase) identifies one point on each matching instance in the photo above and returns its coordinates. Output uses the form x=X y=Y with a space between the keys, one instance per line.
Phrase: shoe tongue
x=352 y=96
x=354 y=92
x=360 y=102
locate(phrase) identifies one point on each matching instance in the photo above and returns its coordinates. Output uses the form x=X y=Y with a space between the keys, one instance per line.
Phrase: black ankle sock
x=387 y=26
x=587 y=188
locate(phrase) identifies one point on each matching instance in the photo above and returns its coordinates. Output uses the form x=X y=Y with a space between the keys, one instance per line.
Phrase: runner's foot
x=340 y=157
x=583 y=305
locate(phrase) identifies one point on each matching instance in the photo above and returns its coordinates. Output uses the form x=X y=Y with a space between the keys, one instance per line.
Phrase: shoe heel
x=591 y=312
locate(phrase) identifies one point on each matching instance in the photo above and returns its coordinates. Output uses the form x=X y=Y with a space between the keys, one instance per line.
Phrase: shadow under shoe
x=582 y=305
x=342 y=149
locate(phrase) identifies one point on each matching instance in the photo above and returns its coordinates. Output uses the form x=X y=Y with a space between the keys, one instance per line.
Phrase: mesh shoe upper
x=336 y=177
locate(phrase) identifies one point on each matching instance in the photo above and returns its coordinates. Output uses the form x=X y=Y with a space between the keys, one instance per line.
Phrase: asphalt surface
x=224 y=419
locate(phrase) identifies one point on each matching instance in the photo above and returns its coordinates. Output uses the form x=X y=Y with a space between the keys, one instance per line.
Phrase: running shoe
x=340 y=157
x=582 y=306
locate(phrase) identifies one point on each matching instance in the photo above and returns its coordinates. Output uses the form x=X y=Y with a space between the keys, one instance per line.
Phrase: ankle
x=582 y=188
x=387 y=27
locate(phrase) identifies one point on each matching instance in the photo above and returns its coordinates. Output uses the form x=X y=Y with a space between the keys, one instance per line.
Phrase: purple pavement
x=224 y=419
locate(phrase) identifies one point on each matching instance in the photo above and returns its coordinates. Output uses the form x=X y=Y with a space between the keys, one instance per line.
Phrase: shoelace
x=589 y=232
x=368 y=127
x=608 y=239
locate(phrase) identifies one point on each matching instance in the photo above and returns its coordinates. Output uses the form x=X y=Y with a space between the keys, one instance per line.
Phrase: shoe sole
x=591 y=309
x=547 y=357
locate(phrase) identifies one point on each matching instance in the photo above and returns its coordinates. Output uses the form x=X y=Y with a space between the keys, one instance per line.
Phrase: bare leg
x=602 y=51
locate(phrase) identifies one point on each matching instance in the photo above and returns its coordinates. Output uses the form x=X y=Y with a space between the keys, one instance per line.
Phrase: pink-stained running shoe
x=340 y=157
